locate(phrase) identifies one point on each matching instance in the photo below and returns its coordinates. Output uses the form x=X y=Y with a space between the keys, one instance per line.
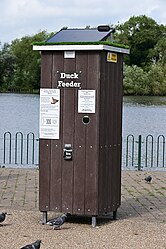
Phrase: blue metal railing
x=139 y=152
x=144 y=152
x=19 y=149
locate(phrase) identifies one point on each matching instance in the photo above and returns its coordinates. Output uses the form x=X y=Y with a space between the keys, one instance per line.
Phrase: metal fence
x=138 y=152
x=19 y=149
x=144 y=152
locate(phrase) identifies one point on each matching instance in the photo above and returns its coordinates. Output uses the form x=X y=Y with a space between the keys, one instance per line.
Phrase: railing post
x=127 y=150
x=10 y=147
x=139 y=151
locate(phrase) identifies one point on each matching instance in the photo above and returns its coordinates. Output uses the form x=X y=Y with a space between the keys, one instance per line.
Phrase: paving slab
x=19 y=190
x=141 y=219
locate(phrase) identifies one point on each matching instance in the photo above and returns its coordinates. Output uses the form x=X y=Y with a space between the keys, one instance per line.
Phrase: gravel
x=24 y=227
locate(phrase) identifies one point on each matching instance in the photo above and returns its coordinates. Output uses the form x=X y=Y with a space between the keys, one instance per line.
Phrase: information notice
x=49 y=113
x=86 y=101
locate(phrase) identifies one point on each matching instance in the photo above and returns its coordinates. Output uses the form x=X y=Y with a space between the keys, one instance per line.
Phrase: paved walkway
x=19 y=191
x=142 y=199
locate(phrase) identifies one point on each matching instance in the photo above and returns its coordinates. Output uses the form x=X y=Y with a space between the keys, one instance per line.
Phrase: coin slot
x=86 y=120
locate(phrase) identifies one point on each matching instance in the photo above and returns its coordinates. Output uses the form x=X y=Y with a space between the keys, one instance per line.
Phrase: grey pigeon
x=148 y=179
x=2 y=217
x=35 y=245
x=57 y=222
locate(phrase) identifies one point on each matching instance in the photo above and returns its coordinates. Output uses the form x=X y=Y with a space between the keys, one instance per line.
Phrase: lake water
x=144 y=115
x=141 y=115
x=19 y=112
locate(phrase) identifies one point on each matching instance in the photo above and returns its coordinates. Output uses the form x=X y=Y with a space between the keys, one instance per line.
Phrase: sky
x=19 y=18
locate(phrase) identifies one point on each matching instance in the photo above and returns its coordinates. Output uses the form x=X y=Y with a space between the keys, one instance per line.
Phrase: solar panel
x=79 y=35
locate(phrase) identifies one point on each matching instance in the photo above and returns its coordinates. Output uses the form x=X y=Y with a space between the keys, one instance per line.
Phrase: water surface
x=144 y=115
x=141 y=115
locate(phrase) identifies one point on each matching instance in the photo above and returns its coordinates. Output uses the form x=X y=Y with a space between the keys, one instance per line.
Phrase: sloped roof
x=79 y=35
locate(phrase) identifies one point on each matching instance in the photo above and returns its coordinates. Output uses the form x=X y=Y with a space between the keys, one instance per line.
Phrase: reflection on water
x=144 y=100
x=141 y=115
x=19 y=112
x=144 y=115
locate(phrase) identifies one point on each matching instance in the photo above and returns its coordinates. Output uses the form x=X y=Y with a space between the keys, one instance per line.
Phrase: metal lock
x=67 y=152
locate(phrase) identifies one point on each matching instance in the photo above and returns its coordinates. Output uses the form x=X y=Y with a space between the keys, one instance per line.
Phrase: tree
x=156 y=80
x=139 y=82
x=135 y=81
x=159 y=52
x=7 y=65
x=141 y=33
x=27 y=71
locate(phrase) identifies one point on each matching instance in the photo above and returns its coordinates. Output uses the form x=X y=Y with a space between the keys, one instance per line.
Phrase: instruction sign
x=49 y=113
x=86 y=101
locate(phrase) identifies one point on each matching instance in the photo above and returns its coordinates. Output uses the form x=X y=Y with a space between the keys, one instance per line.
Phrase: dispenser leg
x=115 y=215
x=93 y=221
x=44 y=217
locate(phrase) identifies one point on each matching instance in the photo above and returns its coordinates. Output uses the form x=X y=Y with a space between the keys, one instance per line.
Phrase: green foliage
x=140 y=82
x=7 y=65
x=157 y=80
x=108 y=43
x=141 y=33
x=144 y=70
x=135 y=81
x=20 y=65
x=159 y=52
x=27 y=72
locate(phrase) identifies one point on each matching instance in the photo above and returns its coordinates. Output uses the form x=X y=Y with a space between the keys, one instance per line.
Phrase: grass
x=108 y=43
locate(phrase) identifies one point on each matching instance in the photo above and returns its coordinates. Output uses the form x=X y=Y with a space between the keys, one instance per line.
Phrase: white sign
x=69 y=54
x=86 y=101
x=49 y=113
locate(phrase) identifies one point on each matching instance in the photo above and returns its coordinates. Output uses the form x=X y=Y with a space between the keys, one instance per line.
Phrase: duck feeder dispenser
x=81 y=123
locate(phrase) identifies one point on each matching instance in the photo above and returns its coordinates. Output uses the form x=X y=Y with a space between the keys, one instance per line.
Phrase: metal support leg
x=115 y=215
x=44 y=217
x=93 y=221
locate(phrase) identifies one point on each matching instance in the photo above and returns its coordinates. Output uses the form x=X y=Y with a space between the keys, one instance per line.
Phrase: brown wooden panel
x=56 y=145
x=58 y=66
x=109 y=126
x=68 y=138
x=103 y=133
x=118 y=95
x=92 y=129
x=102 y=93
x=90 y=183
x=111 y=131
x=46 y=69
x=79 y=142
x=116 y=134
x=44 y=175
x=44 y=144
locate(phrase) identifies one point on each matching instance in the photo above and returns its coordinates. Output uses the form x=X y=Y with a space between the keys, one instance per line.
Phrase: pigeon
x=57 y=222
x=2 y=217
x=148 y=179
x=35 y=245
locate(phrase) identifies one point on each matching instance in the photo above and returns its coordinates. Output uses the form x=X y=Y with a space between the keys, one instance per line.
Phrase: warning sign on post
x=49 y=113
x=86 y=101
x=112 y=57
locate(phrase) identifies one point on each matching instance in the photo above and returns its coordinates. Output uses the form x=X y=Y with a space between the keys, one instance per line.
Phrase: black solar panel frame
x=79 y=35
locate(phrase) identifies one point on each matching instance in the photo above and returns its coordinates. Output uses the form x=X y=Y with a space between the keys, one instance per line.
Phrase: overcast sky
x=28 y=17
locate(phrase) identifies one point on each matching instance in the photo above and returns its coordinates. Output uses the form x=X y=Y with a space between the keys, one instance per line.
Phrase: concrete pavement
x=19 y=191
